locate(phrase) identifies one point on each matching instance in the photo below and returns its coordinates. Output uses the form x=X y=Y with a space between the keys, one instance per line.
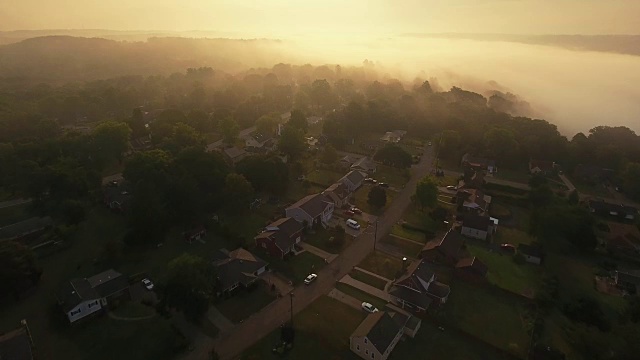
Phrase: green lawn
x=506 y=273
x=361 y=295
x=382 y=264
x=401 y=231
x=368 y=279
x=361 y=197
x=245 y=303
x=406 y=247
x=324 y=177
x=320 y=239
x=594 y=190
x=516 y=175
x=322 y=332
x=512 y=236
x=442 y=345
x=395 y=177
x=298 y=189
x=13 y=214
x=488 y=316
x=298 y=267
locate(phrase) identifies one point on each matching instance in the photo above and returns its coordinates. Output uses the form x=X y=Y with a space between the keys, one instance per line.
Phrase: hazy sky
x=297 y=17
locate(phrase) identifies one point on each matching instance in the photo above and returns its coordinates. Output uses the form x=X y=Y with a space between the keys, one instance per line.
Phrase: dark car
x=382 y=184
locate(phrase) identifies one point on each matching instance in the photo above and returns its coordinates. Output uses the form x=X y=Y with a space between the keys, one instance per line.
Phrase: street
x=230 y=345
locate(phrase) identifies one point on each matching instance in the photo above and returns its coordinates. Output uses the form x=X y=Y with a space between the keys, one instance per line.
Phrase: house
x=473 y=200
x=377 y=335
x=29 y=228
x=279 y=237
x=195 y=234
x=541 y=167
x=315 y=209
x=531 y=253
x=479 y=163
x=628 y=280
x=472 y=179
x=471 y=268
x=238 y=268
x=444 y=251
x=312 y=120
x=17 y=344
x=117 y=196
x=260 y=142
x=233 y=154
x=393 y=136
x=478 y=227
x=365 y=165
x=620 y=211
x=418 y=288
x=348 y=160
x=338 y=193
x=353 y=180
x=80 y=298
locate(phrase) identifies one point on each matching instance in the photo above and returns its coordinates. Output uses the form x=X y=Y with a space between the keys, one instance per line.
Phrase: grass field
x=382 y=264
x=322 y=332
x=297 y=267
x=320 y=239
x=512 y=236
x=401 y=231
x=132 y=309
x=324 y=177
x=393 y=176
x=488 y=316
x=506 y=273
x=368 y=279
x=408 y=248
x=244 y=303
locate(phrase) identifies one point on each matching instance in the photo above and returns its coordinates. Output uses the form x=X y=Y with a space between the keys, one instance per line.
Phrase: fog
x=577 y=90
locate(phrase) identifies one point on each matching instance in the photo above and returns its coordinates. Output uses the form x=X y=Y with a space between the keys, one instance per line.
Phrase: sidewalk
x=366 y=288
x=372 y=274
x=319 y=252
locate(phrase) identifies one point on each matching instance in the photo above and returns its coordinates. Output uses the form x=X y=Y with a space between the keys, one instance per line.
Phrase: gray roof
x=450 y=244
x=340 y=189
x=16 y=345
x=238 y=267
x=411 y=297
x=234 y=152
x=25 y=227
x=314 y=204
x=418 y=274
x=281 y=232
x=632 y=276
x=477 y=222
x=74 y=292
x=530 y=250
x=108 y=282
x=354 y=176
x=380 y=329
x=365 y=163
x=439 y=289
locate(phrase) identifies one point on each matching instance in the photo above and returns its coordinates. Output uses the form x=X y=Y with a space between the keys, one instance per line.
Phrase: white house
x=478 y=227
x=316 y=209
x=376 y=336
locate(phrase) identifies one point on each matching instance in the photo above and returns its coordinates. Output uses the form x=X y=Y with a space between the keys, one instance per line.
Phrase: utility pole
x=291 y=297
x=375 y=236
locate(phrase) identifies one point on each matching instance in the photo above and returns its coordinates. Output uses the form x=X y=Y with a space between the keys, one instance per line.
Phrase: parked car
x=302 y=178
x=356 y=210
x=353 y=224
x=369 y=308
x=309 y=279
x=148 y=284
x=383 y=184
x=349 y=213
x=370 y=180
x=429 y=143
x=451 y=187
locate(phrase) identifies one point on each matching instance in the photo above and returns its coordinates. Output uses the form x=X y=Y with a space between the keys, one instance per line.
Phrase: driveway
x=263 y=322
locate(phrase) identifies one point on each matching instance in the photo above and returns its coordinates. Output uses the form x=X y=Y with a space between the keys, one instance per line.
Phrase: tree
x=574 y=197
x=111 y=140
x=18 y=268
x=541 y=196
x=265 y=173
x=229 y=129
x=190 y=284
x=148 y=166
x=298 y=120
x=427 y=192
x=394 y=155
x=238 y=193
x=329 y=155
x=631 y=180
x=267 y=124
x=292 y=142
x=501 y=145
x=181 y=137
x=377 y=197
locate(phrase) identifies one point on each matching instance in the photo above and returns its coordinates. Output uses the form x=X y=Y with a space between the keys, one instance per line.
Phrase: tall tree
x=18 y=269
x=238 y=192
x=111 y=140
x=298 y=120
x=267 y=124
x=329 y=155
x=427 y=192
x=292 y=142
x=229 y=129
x=190 y=285
x=182 y=136
x=265 y=173
x=377 y=197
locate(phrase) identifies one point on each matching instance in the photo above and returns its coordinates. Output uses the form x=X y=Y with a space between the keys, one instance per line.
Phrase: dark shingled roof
x=450 y=244
x=354 y=176
x=313 y=204
x=288 y=225
x=237 y=267
x=412 y=297
x=439 y=289
x=473 y=264
x=16 y=345
x=621 y=209
x=477 y=222
x=25 y=227
x=340 y=189
x=380 y=329
x=530 y=250
x=418 y=274
x=108 y=282
x=74 y=292
x=632 y=276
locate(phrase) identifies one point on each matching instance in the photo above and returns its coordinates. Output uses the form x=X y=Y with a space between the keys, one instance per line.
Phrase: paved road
x=219 y=143
x=230 y=345
x=567 y=183
x=15 y=202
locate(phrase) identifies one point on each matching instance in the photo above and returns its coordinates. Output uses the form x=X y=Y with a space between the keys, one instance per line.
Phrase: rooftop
x=380 y=329
x=16 y=344
x=25 y=227
x=314 y=204
x=477 y=222
x=450 y=244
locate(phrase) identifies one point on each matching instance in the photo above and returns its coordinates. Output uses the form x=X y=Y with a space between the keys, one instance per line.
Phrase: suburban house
x=338 y=193
x=353 y=180
x=82 y=297
x=347 y=161
x=365 y=165
x=378 y=334
x=315 y=209
x=444 y=251
x=29 y=228
x=471 y=268
x=117 y=197
x=260 y=142
x=472 y=179
x=601 y=207
x=17 y=344
x=233 y=154
x=279 y=237
x=479 y=163
x=195 y=234
x=238 y=268
x=541 y=167
x=418 y=288
x=473 y=200
x=532 y=253
x=629 y=281
x=312 y=120
x=393 y=136
x=478 y=227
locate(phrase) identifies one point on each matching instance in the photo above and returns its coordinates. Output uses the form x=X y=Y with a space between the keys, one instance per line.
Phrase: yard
x=382 y=264
x=520 y=175
x=504 y=272
x=322 y=332
x=402 y=231
x=324 y=177
x=361 y=197
x=361 y=295
x=368 y=279
x=408 y=248
x=512 y=236
x=320 y=239
x=298 y=267
x=395 y=177
x=489 y=316
x=299 y=189
x=244 y=303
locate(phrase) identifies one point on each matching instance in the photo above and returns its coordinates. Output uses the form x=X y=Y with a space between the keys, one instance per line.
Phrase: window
x=366 y=352
x=264 y=245
x=365 y=341
x=358 y=347
x=373 y=356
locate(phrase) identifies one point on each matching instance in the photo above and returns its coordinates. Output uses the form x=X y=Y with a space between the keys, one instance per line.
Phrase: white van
x=353 y=224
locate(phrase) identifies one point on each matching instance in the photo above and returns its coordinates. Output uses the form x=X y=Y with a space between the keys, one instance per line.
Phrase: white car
x=353 y=224
x=147 y=284
x=451 y=187
x=309 y=279
x=369 y=308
